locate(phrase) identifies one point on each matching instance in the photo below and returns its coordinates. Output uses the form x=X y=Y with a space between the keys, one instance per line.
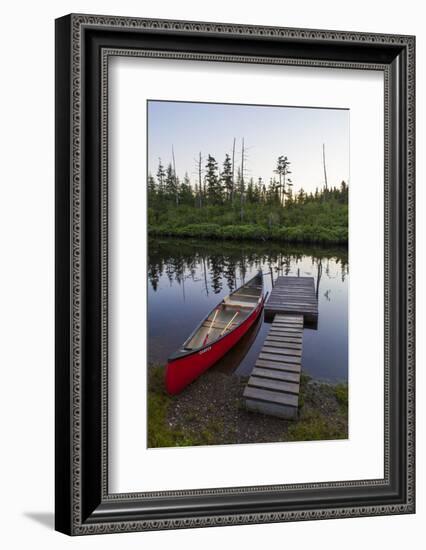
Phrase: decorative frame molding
x=84 y=44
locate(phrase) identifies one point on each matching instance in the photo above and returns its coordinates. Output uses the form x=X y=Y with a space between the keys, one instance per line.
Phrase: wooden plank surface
x=293 y=295
x=274 y=385
x=296 y=346
x=276 y=374
x=291 y=326
x=285 y=330
x=271 y=396
x=276 y=357
x=283 y=336
x=271 y=384
x=267 y=348
x=288 y=319
x=278 y=365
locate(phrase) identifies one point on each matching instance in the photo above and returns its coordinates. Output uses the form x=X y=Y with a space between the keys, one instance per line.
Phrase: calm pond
x=187 y=278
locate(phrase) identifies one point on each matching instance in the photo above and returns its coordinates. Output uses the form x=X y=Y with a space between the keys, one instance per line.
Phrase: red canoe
x=215 y=335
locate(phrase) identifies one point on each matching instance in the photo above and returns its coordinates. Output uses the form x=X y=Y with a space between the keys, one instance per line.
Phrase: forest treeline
x=223 y=203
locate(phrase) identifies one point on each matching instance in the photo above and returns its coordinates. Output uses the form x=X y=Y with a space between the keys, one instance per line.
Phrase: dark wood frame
x=83 y=45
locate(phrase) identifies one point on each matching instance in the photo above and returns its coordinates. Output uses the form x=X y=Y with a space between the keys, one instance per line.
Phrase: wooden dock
x=293 y=295
x=273 y=387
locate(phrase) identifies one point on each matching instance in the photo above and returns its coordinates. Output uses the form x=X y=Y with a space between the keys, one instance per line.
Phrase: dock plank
x=276 y=375
x=276 y=337
x=282 y=333
x=288 y=319
x=277 y=385
x=278 y=343
x=277 y=357
x=271 y=396
x=288 y=325
x=278 y=365
x=267 y=348
x=297 y=331
x=287 y=330
x=285 y=339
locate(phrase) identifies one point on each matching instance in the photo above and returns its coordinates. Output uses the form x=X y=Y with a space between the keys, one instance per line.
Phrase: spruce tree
x=214 y=188
x=161 y=176
x=283 y=170
x=227 y=179
x=185 y=191
x=250 y=191
x=171 y=184
x=152 y=190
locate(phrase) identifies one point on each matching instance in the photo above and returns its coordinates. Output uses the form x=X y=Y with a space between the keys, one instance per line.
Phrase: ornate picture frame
x=84 y=43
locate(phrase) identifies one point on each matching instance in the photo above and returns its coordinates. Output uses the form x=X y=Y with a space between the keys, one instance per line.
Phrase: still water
x=187 y=278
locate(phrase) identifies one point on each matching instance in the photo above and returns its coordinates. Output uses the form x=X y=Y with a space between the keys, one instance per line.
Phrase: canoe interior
x=230 y=313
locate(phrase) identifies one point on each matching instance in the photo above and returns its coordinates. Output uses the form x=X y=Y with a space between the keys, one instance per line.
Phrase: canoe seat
x=238 y=303
x=244 y=295
x=217 y=324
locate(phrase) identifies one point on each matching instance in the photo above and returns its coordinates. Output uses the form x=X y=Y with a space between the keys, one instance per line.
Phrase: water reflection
x=187 y=278
x=207 y=261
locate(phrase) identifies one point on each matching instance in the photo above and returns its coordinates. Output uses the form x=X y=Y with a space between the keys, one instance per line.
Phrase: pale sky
x=268 y=132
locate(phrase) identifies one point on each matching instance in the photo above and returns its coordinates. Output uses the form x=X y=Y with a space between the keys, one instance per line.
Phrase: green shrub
x=294 y=234
x=313 y=428
x=341 y=393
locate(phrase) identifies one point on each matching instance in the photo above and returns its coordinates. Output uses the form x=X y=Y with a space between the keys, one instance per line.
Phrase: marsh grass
x=160 y=432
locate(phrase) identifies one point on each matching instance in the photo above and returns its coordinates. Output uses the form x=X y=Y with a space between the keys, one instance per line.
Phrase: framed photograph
x=234 y=274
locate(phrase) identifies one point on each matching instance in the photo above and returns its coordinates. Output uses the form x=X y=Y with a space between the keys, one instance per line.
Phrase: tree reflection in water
x=219 y=263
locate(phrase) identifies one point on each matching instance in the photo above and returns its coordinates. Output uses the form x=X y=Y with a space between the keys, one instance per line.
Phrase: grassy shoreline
x=309 y=234
x=211 y=411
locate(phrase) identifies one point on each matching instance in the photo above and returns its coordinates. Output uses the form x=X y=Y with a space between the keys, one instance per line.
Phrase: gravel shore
x=211 y=411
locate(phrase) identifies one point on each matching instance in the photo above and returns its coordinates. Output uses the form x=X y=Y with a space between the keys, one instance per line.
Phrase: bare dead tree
x=200 y=171
x=175 y=178
x=242 y=183
x=233 y=173
x=242 y=161
x=325 y=170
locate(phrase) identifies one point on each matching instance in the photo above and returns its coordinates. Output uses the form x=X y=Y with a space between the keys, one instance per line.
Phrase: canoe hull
x=183 y=370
